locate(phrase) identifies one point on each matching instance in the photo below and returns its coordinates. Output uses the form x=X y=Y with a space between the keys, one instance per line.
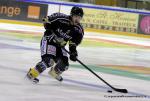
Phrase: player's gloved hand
x=45 y=19
x=73 y=56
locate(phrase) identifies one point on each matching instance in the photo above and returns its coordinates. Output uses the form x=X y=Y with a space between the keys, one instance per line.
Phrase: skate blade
x=33 y=81
x=53 y=75
x=59 y=79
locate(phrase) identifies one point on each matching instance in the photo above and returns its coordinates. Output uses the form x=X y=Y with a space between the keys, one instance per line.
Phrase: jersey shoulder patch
x=58 y=16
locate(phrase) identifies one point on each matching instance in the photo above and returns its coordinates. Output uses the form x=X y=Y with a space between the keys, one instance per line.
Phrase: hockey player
x=60 y=29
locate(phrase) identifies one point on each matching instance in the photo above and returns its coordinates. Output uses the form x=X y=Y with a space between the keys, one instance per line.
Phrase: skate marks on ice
x=17 y=89
x=67 y=84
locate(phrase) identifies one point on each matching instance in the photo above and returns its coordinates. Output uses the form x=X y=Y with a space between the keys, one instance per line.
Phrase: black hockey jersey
x=60 y=24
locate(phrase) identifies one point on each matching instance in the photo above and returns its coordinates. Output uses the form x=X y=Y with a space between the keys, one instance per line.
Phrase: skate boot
x=55 y=74
x=32 y=74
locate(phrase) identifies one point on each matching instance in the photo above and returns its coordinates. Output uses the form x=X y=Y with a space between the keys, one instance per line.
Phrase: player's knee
x=62 y=65
x=40 y=67
x=48 y=61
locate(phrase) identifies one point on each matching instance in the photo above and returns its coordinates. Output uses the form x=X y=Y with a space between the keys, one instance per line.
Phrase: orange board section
x=34 y=12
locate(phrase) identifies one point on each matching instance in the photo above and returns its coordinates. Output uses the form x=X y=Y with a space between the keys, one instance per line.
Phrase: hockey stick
x=116 y=89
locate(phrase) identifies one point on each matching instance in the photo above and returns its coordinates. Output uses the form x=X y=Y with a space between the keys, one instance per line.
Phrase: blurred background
x=136 y=4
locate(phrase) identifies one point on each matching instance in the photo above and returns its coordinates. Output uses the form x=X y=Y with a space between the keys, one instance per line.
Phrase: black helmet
x=76 y=11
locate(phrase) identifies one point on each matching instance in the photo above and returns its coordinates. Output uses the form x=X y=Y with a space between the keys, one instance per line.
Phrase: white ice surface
x=17 y=56
x=79 y=84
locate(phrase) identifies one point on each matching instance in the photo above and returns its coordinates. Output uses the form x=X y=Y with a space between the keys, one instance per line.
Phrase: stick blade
x=121 y=90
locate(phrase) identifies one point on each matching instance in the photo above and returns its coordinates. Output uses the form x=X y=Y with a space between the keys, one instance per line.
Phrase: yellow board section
x=87 y=29
x=118 y=33
x=110 y=20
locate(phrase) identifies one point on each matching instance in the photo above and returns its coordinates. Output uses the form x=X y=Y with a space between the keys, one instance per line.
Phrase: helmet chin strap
x=72 y=22
x=76 y=22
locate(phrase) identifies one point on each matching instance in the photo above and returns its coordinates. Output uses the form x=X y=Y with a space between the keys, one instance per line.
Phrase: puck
x=109 y=91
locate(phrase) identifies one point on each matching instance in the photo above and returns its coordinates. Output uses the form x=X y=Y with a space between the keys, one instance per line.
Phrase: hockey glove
x=73 y=56
x=45 y=19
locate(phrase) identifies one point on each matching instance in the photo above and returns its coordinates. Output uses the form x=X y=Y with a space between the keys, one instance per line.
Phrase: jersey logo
x=64 y=22
x=64 y=34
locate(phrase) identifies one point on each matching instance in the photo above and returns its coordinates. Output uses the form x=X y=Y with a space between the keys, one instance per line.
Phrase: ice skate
x=32 y=74
x=55 y=74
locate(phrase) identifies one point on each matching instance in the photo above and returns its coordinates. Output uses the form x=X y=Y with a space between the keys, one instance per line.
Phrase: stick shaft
x=116 y=89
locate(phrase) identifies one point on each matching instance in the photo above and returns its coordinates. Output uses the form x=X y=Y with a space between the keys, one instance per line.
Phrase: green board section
x=115 y=72
x=85 y=43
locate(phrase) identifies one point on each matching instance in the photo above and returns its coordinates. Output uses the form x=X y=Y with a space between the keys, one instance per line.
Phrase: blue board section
x=91 y=6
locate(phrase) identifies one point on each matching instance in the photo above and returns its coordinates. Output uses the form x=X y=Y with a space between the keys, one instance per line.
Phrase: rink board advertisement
x=24 y=11
x=107 y=19
x=110 y=20
x=144 y=24
x=94 y=18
